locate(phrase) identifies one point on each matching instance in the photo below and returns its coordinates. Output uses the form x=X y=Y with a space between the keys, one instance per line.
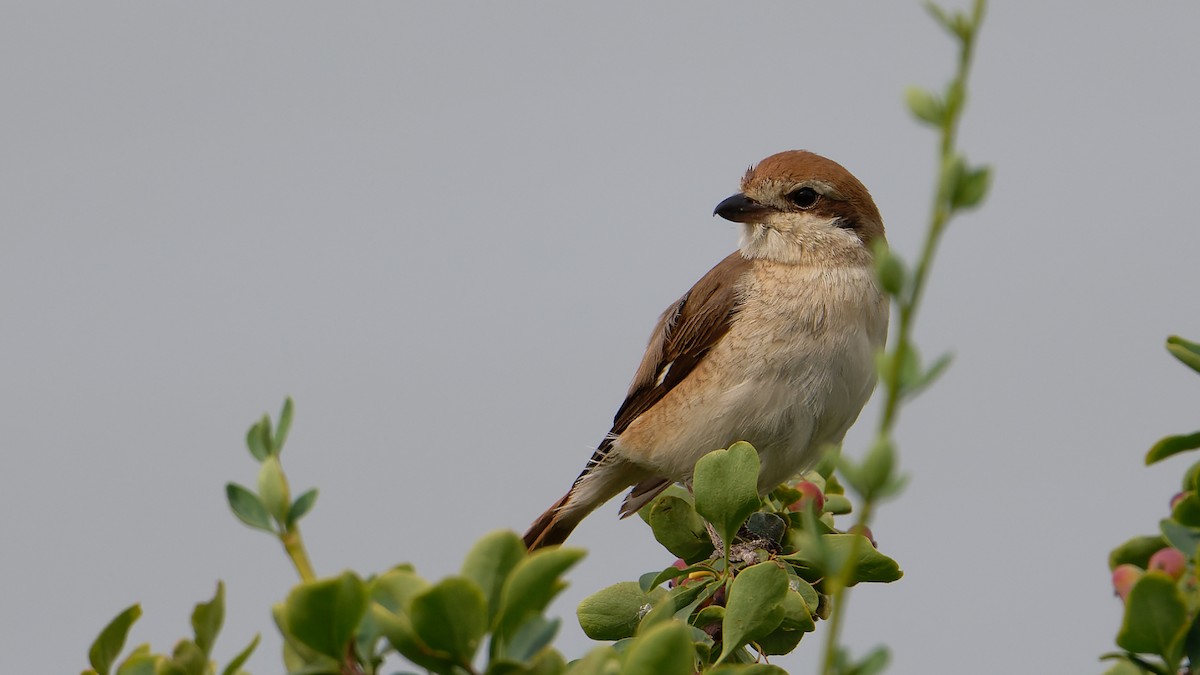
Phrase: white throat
x=806 y=240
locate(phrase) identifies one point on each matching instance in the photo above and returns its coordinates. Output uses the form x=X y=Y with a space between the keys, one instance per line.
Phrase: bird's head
x=799 y=207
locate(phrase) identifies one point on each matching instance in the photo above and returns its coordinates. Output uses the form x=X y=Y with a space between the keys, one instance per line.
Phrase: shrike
x=774 y=346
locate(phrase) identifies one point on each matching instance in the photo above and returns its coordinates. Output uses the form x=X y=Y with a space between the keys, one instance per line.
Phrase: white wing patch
x=662 y=374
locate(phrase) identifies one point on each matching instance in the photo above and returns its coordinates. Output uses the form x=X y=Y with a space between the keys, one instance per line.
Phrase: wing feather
x=683 y=336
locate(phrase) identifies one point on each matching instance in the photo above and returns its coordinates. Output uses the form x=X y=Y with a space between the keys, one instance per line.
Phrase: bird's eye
x=805 y=197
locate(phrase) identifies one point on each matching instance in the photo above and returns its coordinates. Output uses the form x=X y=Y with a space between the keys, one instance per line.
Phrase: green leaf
x=451 y=617
x=952 y=172
x=489 y=563
x=547 y=662
x=1191 y=479
x=1132 y=664
x=662 y=609
x=708 y=617
x=883 y=366
x=140 y=662
x=297 y=656
x=797 y=615
x=806 y=591
x=725 y=484
x=889 y=269
x=910 y=369
x=647 y=580
x=827 y=463
x=876 y=661
x=236 y=663
x=877 y=466
x=1155 y=619
x=746 y=669
x=874 y=478
x=942 y=18
x=1187 y=510
x=395 y=589
x=285 y=425
x=536 y=633
x=956 y=95
x=399 y=631
x=1124 y=668
x=544 y=662
x=838 y=505
x=292 y=661
x=779 y=641
x=531 y=585
x=922 y=381
x=764 y=525
x=599 y=661
x=248 y=507
x=1136 y=551
x=391 y=596
x=688 y=597
x=680 y=530
x=1191 y=643
x=207 y=619
x=1182 y=537
x=957 y=24
x=925 y=106
x=111 y=641
x=1187 y=352
x=909 y=375
x=324 y=614
x=754 y=607
x=797 y=620
x=664 y=650
x=870 y=565
x=972 y=187
x=614 y=612
x=273 y=488
x=674 y=490
x=651 y=580
x=1172 y=445
x=258 y=439
x=300 y=507
x=187 y=659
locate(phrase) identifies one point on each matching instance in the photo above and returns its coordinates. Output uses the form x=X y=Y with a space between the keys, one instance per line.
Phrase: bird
x=774 y=346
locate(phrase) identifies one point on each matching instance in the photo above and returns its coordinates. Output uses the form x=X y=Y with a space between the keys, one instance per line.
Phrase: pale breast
x=811 y=345
x=793 y=372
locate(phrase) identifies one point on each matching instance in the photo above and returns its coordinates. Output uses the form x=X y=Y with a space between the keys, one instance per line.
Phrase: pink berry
x=679 y=564
x=1124 y=577
x=1169 y=561
x=809 y=494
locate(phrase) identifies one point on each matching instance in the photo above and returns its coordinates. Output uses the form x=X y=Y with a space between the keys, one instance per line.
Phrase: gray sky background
x=447 y=230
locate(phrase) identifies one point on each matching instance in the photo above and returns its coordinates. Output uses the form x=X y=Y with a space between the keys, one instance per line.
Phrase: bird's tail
x=555 y=525
x=590 y=490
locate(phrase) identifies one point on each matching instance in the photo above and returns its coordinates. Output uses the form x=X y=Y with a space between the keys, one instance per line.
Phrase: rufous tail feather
x=554 y=526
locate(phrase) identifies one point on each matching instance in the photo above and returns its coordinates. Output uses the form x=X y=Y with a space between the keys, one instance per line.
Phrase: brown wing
x=683 y=336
